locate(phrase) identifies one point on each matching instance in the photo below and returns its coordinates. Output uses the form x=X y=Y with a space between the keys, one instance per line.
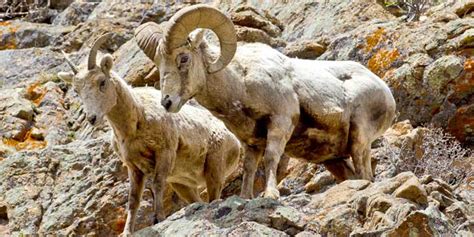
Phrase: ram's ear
x=106 y=64
x=66 y=76
x=196 y=38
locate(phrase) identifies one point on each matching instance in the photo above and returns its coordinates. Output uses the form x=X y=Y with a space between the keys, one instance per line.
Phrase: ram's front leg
x=134 y=196
x=162 y=167
x=279 y=131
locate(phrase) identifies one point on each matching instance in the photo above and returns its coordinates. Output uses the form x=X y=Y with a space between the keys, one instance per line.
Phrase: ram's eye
x=102 y=85
x=183 y=59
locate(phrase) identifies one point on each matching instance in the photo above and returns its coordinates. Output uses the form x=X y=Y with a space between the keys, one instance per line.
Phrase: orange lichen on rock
x=10 y=44
x=35 y=93
x=461 y=124
x=374 y=39
x=465 y=84
x=381 y=61
x=26 y=143
x=119 y=223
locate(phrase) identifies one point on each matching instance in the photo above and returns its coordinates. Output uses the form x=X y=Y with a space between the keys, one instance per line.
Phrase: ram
x=189 y=150
x=323 y=111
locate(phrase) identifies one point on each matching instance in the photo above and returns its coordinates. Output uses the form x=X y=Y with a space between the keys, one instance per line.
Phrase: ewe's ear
x=196 y=37
x=66 y=76
x=106 y=64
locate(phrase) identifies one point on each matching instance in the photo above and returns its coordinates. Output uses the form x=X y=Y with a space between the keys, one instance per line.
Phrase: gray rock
x=20 y=35
x=75 y=13
x=23 y=67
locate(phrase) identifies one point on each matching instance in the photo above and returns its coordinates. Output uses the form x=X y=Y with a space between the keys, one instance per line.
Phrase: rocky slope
x=58 y=174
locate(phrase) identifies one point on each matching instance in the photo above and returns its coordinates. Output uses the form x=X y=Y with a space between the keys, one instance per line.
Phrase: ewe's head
x=182 y=62
x=95 y=85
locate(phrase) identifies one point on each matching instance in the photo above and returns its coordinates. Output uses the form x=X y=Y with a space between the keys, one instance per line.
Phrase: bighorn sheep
x=324 y=111
x=189 y=150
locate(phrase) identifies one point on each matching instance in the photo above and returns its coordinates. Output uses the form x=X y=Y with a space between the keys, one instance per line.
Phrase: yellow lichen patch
x=382 y=60
x=27 y=143
x=374 y=39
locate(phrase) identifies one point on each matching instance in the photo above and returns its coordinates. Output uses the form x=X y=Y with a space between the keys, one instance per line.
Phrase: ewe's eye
x=102 y=85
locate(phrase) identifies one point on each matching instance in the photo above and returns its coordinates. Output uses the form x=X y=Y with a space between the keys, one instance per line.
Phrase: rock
x=253 y=35
x=287 y=219
x=130 y=12
x=84 y=35
x=60 y=4
x=75 y=13
x=412 y=190
x=320 y=181
x=78 y=188
x=253 y=228
x=466 y=40
x=134 y=66
x=441 y=72
x=459 y=213
x=253 y=18
x=16 y=70
x=304 y=49
x=420 y=224
x=41 y=15
x=299 y=173
x=463 y=7
x=20 y=35
x=16 y=117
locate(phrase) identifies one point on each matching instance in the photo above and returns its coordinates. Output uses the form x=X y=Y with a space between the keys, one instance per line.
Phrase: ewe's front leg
x=162 y=167
x=134 y=196
x=279 y=131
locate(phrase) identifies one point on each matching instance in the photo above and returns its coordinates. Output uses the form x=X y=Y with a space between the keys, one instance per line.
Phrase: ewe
x=189 y=150
x=323 y=111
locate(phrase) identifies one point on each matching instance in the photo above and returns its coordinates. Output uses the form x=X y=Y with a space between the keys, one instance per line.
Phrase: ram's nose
x=92 y=119
x=166 y=102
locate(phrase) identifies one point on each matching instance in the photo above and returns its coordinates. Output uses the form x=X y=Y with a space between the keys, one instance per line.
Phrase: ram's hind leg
x=279 y=131
x=360 y=150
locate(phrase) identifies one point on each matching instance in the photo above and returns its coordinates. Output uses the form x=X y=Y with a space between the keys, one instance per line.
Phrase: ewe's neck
x=125 y=114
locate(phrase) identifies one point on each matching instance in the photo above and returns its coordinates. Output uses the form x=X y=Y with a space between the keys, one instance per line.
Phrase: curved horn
x=203 y=16
x=70 y=63
x=93 y=53
x=148 y=37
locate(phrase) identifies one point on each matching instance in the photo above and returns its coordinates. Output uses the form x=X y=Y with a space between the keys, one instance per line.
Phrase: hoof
x=246 y=196
x=125 y=234
x=159 y=218
x=272 y=193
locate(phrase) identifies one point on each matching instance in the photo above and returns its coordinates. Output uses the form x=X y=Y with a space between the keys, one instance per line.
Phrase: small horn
x=70 y=63
x=93 y=53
